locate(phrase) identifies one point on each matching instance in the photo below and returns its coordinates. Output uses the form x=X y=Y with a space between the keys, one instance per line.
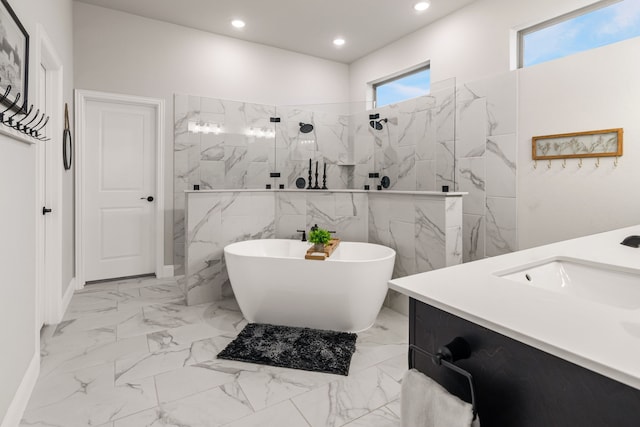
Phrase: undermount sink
x=600 y=283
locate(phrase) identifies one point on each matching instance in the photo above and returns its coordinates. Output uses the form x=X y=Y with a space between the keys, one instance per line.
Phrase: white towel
x=425 y=403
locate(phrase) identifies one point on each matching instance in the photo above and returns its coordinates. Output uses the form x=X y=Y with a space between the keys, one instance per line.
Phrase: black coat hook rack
x=21 y=119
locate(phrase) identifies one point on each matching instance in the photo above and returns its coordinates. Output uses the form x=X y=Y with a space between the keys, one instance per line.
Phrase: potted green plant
x=319 y=237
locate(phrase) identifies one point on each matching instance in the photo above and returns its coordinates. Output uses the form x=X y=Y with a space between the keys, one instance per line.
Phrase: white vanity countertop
x=375 y=192
x=599 y=337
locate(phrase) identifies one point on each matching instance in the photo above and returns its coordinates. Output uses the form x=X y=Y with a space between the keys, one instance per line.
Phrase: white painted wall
x=592 y=90
x=17 y=254
x=123 y=53
x=19 y=212
x=469 y=44
x=599 y=89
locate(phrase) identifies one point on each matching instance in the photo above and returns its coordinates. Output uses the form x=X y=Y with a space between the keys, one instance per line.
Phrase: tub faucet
x=304 y=235
x=315 y=227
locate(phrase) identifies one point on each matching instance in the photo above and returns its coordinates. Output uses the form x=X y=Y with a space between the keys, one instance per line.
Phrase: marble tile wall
x=461 y=135
x=414 y=148
x=242 y=147
x=342 y=212
x=486 y=122
x=237 y=154
x=328 y=143
x=213 y=221
x=425 y=231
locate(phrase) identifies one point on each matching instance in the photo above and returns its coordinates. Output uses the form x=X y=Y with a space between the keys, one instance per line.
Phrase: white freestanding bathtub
x=274 y=284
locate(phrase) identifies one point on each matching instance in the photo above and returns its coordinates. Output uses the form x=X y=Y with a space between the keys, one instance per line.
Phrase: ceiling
x=305 y=26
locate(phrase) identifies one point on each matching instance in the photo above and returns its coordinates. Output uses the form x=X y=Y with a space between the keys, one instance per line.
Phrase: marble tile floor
x=132 y=354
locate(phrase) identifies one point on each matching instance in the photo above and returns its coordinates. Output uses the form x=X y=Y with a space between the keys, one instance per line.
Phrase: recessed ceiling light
x=238 y=23
x=339 y=41
x=423 y=5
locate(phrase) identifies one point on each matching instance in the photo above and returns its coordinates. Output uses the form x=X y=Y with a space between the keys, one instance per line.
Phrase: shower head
x=377 y=124
x=306 y=127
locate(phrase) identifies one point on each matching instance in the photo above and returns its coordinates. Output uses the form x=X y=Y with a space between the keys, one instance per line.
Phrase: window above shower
x=600 y=24
x=412 y=84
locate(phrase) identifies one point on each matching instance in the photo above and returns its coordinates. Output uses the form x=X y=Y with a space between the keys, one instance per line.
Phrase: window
x=408 y=85
x=597 y=25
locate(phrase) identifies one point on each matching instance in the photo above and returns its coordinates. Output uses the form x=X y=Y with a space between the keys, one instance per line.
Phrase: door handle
x=45 y=210
x=149 y=199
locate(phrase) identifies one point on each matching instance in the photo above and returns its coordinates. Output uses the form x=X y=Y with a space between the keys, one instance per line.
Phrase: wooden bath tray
x=328 y=250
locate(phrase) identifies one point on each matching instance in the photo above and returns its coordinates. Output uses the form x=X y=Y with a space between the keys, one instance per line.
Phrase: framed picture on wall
x=14 y=60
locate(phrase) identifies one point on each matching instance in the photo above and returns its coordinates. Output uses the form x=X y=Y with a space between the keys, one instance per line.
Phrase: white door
x=119 y=190
x=51 y=296
x=42 y=157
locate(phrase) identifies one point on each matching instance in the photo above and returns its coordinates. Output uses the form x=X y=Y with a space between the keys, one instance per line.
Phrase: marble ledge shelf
x=260 y=190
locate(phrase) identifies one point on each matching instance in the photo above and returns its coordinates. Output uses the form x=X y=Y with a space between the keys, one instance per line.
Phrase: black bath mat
x=290 y=347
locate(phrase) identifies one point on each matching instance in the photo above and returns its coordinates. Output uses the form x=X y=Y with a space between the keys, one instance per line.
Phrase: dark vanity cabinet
x=517 y=385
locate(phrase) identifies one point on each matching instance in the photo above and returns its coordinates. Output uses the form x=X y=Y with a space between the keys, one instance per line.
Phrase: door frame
x=50 y=303
x=81 y=99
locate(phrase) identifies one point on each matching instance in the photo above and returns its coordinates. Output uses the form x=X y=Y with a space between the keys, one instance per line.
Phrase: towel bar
x=457 y=349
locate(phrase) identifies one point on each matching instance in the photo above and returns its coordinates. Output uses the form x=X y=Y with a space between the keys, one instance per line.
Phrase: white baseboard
x=167 y=271
x=21 y=398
